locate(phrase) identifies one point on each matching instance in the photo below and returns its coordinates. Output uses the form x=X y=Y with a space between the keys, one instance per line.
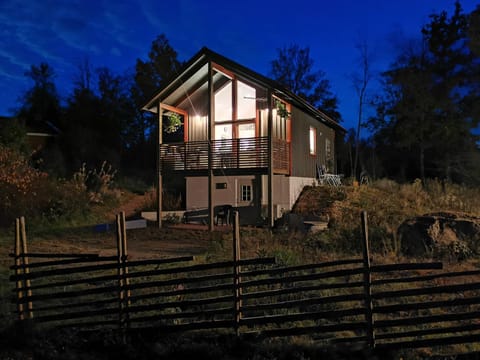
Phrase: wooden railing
x=247 y=153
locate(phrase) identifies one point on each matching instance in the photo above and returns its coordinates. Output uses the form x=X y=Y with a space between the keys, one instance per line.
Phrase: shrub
x=98 y=184
x=20 y=186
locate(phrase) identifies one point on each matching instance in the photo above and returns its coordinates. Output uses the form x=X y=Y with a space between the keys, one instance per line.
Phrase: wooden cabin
x=247 y=142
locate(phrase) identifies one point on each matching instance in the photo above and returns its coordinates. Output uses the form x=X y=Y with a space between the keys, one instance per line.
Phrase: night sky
x=115 y=33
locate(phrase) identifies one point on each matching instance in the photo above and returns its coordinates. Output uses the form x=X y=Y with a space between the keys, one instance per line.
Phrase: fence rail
x=385 y=306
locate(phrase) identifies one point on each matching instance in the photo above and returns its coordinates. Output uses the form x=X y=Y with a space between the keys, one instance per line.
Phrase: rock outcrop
x=440 y=235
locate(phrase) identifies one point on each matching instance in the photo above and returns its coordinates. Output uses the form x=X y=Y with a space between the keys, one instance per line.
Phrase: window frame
x=246 y=189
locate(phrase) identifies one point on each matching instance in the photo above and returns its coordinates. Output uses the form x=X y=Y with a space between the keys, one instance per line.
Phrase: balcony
x=229 y=157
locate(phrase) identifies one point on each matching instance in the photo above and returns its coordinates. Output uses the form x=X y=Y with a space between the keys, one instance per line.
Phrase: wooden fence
x=385 y=306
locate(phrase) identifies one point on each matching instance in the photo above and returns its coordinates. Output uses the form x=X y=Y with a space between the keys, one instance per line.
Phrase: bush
x=98 y=184
x=20 y=186
x=26 y=191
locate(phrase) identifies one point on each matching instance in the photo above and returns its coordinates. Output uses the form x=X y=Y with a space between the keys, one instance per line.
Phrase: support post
x=367 y=281
x=159 y=166
x=26 y=269
x=270 y=160
x=210 y=131
x=236 y=271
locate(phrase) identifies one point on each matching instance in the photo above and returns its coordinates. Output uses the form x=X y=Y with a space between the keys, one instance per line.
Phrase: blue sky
x=116 y=33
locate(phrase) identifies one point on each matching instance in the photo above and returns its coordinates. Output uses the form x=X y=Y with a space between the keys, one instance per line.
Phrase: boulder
x=440 y=235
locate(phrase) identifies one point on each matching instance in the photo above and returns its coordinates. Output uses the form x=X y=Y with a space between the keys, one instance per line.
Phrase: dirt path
x=133 y=205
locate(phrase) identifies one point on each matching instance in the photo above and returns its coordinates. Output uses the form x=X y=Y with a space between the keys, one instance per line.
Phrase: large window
x=223 y=103
x=312 y=141
x=241 y=123
x=246 y=101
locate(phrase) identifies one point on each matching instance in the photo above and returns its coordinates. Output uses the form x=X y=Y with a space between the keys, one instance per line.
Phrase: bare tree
x=360 y=82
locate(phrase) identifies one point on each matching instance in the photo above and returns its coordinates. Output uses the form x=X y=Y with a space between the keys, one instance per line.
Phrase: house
x=38 y=134
x=247 y=141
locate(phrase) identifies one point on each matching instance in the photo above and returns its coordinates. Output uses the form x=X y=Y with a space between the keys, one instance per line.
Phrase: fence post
x=126 y=280
x=236 y=271
x=367 y=281
x=121 y=282
x=19 y=283
x=26 y=269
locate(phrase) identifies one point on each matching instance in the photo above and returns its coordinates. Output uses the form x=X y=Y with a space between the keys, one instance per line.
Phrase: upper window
x=312 y=141
x=223 y=103
x=246 y=101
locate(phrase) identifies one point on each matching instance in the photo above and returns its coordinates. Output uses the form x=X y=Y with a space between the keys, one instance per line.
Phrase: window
x=246 y=193
x=246 y=101
x=241 y=124
x=313 y=140
x=223 y=103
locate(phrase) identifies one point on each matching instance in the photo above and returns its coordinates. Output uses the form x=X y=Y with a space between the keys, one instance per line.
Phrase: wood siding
x=304 y=164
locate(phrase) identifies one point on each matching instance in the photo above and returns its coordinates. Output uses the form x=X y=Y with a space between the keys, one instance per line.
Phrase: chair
x=223 y=213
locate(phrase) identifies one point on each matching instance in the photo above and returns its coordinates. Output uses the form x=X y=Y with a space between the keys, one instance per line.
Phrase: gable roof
x=205 y=55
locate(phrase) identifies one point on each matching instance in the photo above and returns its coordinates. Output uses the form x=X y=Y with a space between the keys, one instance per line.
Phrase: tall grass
x=389 y=204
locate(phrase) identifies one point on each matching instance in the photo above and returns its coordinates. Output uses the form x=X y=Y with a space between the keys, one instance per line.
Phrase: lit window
x=246 y=193
x=313 y=141
x=246 y=101
x=223 y=103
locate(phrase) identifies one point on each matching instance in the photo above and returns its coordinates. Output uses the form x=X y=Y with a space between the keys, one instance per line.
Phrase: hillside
x=387 y=204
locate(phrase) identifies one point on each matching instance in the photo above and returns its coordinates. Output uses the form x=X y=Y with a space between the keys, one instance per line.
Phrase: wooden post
x=236 y=271
x=159 y=166
x=19 y=283
x=120 y=271
x=210 y=132
x=270 y=159
x=26 y=269
x=367 y=281
x=126 y=280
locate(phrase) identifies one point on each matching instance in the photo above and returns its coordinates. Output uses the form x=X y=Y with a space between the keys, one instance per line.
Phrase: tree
x=293 y=68
x=95 y=119
x=150 y=76
x=430 y=108
x=360 y=82
x=474 y=31
x=41 y=103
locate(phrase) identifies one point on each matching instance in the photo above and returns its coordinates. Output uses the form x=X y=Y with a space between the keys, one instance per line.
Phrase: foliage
x=26 y=191
x=97 y=183
x=19 y=185
x=173 y=124
x=293 y=68
x=95 y=119
x=41 y=103
x=281 y=109
x=426 y=116
x=13 y=134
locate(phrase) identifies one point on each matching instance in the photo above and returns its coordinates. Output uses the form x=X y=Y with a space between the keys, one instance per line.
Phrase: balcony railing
x=247 y=153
